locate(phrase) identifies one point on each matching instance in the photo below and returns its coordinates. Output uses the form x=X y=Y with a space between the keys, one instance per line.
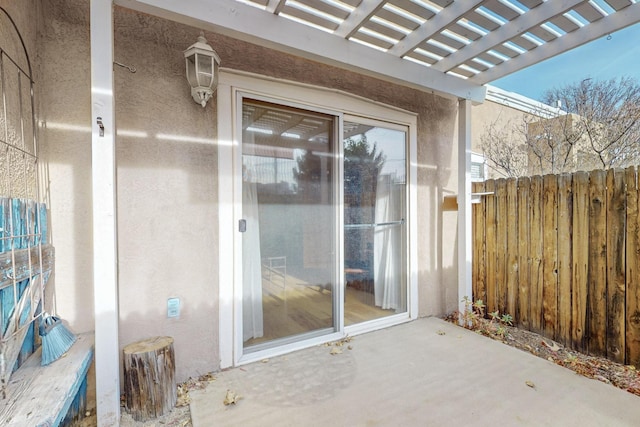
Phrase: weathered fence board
x=597 y=282
x=580 y=260
x=632 y=324
x=490 y=241
x=512 y=242
x=478 y=271
x=561 y=253
x=549 y=255
x=535 y=254
x=501 y=245
x=616 y=212
x=523 y=313
x=565 y=230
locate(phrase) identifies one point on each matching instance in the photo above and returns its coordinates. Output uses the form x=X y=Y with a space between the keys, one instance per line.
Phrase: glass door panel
x=374 y=222
x=289 y=215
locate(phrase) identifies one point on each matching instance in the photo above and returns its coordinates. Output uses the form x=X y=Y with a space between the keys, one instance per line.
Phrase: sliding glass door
x=288 y=225
x=302 y=276
x=375 y=194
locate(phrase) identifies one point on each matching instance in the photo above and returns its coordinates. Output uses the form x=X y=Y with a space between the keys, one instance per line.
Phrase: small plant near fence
x=473 y=317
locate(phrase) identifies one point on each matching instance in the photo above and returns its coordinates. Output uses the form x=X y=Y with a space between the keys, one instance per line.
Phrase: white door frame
x=229 y=201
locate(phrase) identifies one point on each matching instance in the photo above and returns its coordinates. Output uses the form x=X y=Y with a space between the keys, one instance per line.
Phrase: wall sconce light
x=202 y=70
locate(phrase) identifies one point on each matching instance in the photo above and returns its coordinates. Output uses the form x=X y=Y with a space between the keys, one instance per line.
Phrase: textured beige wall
x=167 y=194
x=24 y=14
x=28 y=16
x=64 y=99
x=503 y=116
x=16 y=129
x=167 y=178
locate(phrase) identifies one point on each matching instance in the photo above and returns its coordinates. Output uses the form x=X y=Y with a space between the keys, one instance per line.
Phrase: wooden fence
x=561 y=254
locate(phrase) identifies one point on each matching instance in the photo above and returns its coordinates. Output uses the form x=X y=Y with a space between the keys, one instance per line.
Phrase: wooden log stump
x=149 y=378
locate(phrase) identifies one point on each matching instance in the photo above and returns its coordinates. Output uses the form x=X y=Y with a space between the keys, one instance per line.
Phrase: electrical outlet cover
x=173 y=307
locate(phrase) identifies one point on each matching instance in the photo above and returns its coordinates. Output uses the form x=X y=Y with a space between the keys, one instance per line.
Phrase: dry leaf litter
x=625 y=377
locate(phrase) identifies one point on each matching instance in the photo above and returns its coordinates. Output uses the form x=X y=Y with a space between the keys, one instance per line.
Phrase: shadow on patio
x=424 y=373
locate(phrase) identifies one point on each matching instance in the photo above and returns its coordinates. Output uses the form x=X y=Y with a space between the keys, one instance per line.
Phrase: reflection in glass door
x=374 y=222
x=289 y=216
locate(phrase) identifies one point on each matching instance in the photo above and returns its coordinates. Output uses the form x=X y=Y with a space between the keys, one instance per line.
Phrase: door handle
x=242 y=225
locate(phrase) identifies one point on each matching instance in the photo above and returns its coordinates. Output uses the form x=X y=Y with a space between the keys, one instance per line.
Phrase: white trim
x=464 y=203
x=522 y=103
x=340 y=291
x=232 y=85
x=412 y=232
x=317 y=97
x=226 y=226
x=288 y=348
x=105 y=248
x=377 y=324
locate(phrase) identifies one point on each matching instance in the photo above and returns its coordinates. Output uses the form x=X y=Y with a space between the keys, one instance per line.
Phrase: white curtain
x=252 y=319
x=387 y=246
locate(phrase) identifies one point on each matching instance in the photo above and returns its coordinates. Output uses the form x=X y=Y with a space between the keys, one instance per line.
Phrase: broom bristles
x=56 y=339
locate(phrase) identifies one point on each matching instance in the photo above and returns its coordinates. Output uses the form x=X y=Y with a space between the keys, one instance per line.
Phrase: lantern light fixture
x=202 y=70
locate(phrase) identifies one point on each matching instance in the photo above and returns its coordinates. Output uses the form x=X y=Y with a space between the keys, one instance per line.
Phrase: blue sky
x=600 y=59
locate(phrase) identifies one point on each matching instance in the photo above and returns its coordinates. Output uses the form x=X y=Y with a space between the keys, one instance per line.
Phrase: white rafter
x=433 y=26
x=400 y=61
x=234 y=19
x=275 y=6
x=359 y=17
x=519 y=25
x=611 y=23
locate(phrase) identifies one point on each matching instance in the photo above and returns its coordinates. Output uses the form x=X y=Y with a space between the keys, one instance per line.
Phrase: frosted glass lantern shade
x=202 y=70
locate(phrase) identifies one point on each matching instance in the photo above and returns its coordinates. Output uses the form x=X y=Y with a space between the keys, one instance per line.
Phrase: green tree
x=362 y=163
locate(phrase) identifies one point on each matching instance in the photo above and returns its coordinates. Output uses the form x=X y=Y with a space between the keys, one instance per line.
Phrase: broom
x=56 y=338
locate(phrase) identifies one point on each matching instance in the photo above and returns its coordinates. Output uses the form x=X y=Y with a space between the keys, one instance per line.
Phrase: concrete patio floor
x=424 y=373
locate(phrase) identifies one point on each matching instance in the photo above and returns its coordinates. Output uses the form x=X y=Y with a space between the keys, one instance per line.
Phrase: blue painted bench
x=48 y=396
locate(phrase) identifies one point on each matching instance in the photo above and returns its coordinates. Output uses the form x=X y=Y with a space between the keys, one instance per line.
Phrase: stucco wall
x=502 y=116
x=167 y=177
x=24 y=14
x=64 y=99
x=16 y=126
x=167 y=195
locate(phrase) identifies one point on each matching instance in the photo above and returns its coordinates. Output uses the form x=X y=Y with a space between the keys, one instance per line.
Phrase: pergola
x=447 y=47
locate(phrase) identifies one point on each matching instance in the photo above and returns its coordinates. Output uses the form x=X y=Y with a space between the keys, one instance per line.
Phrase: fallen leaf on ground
x=207 y=377
x=335 y=351
x=441 y=332
x=530 y=384
x=231 y=398
x=265 y=361
x=553 y=346
x=183 y=396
